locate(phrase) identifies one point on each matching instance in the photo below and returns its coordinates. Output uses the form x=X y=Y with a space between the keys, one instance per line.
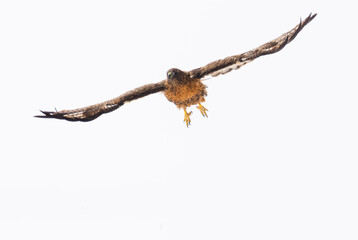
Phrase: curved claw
x=202 y=110
x=187 y=119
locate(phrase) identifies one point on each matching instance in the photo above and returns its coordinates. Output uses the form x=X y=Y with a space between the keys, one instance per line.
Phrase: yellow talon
x=202 y=110
x=187 y=118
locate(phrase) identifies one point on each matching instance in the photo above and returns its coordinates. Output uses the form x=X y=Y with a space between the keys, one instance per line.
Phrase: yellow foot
x=187 y=118
x=202 y=110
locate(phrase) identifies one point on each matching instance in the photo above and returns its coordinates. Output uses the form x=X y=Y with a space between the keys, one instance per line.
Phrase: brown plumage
x=182 y=88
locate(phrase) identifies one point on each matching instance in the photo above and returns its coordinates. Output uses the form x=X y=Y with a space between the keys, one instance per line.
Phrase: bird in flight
x=183 y=88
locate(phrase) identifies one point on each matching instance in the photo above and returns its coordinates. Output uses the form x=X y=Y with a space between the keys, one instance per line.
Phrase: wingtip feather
x=47 y=114
x=310 y=17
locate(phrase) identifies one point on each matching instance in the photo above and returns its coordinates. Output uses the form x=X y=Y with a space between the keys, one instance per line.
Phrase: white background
x=276 y=159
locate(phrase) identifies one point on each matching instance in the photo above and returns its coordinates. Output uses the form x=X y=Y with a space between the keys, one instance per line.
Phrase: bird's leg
x=187 y=117
x=202 y=110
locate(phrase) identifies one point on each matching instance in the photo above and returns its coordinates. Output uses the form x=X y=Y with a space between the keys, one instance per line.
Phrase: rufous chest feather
x=185 y=95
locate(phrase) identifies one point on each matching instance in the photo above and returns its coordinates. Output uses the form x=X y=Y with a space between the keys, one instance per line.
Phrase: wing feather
x=228 y=64
x=94 y=111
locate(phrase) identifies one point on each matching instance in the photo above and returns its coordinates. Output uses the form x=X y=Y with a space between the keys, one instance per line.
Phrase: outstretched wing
x=225 y=65
x=92 y=112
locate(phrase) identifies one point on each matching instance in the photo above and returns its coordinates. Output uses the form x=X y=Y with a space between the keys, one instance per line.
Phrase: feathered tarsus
x=182 y=88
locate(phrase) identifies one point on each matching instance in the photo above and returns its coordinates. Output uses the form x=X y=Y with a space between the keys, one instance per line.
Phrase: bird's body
x=182 y=88
x=184 y=91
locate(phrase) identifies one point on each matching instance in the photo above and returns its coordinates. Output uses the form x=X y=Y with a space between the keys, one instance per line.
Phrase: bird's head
x=176 y=75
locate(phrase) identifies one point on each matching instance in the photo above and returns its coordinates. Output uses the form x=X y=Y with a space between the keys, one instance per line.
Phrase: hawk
x=183 y=88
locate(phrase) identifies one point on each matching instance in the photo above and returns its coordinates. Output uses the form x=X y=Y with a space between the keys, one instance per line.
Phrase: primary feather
x=228 y=64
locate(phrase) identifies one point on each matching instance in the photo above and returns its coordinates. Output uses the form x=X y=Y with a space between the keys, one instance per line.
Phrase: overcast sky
x=276 y=159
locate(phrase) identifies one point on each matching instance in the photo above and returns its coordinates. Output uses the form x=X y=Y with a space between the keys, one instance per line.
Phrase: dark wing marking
x=225 y=65
x=92 y=112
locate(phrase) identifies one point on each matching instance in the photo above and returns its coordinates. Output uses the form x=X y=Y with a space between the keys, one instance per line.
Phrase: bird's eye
x=170 y=75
